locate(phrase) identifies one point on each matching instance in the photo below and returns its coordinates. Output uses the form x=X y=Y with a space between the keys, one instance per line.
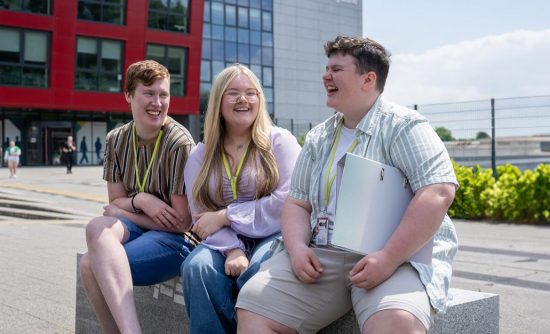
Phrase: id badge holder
x=321 y=230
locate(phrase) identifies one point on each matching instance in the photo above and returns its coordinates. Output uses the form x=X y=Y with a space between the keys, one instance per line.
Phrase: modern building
x=62 y=63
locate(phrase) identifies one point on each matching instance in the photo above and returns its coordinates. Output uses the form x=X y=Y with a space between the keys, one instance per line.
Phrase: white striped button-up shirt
x=399 y=137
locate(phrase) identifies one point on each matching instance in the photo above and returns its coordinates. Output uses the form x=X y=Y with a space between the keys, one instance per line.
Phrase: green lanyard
x=141 y=183
x=329 y=180
x=233 y=179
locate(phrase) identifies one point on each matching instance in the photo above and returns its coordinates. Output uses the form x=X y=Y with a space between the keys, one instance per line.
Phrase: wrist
x=134 y=204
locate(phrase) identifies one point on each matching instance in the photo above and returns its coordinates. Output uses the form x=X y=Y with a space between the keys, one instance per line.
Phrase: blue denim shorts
x=154 y=256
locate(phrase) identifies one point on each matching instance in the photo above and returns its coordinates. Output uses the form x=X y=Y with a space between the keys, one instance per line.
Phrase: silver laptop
x=372 y=198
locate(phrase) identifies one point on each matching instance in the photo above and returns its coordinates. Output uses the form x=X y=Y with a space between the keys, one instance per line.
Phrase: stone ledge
x=161 y=310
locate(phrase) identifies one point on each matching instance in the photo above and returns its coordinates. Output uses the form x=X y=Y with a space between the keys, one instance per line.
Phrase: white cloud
x=509 y=65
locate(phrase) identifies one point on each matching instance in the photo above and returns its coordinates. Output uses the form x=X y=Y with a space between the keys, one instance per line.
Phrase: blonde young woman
x=236 y=184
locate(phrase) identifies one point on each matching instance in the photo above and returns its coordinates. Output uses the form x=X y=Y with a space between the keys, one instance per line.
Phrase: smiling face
x=344 y=86
x=149 y=105
x=240 y=104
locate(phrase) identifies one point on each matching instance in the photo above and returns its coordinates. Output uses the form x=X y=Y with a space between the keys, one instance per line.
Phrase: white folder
x=372 y=198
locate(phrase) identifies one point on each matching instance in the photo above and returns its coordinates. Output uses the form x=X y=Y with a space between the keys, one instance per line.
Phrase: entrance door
x=56 y=137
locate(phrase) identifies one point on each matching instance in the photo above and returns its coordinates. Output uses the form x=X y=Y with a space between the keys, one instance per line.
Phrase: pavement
x=38 y=256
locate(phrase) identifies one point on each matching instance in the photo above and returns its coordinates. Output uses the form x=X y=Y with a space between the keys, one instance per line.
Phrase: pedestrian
x=142 y=237
x=311 y=284
x=84 y=151
x=237 y=182
x=98 y=146
x=13 y=152
x=68 y=148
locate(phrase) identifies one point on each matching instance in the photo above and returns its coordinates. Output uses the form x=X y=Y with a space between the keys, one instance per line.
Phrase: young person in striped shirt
x=237 y=182
x=311 y=284
x=142 y=237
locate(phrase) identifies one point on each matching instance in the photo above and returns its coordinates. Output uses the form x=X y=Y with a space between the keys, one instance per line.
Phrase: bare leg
x=393 y=321
x=96 y=297
x=110 y=267
x=250 y=322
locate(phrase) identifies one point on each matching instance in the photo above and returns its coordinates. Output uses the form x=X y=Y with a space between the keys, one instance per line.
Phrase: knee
x=84 y=266
x=393 y=321
x=96 y=227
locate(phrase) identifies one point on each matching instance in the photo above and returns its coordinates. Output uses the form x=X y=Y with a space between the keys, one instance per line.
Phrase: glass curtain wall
x=237 y=31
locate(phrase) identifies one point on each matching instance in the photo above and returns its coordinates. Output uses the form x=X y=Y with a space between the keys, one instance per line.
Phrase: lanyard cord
x=141 y=183
x=329 y=180
x=233 y=179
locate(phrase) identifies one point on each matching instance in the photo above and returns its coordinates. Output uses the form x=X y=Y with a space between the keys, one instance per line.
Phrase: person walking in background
x=84 y=151
x=311 y=283
x=68 y=150
x=237 y=182
x=13 y=152
x=98 y=150
x=143 y=236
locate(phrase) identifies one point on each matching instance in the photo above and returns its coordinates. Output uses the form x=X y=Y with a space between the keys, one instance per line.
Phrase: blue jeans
x=210 y=295
x=154 y=256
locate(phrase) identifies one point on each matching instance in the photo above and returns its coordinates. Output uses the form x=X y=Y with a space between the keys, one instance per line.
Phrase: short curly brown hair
x=146 y=72
x=369 y=55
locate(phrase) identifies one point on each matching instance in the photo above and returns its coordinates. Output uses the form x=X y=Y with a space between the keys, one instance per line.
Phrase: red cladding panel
x=64 y=29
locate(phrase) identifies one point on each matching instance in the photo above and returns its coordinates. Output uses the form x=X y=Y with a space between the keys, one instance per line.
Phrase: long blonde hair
x=214 y=131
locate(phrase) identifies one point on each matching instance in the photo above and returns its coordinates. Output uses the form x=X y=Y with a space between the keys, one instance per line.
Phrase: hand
x=372 y=270
x=160 y=212
x=235 y=262
x=305 y=264
x=207 y=223
x=111 y=210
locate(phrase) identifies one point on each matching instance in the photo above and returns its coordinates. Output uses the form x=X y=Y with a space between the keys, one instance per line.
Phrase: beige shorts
x=276 y=293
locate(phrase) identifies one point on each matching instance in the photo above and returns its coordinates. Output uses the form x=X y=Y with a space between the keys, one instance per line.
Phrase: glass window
x=217 y=67
x=230 y=51
x=24 y=57
x=268 y=92
x=98 y=64
x=267 y=56
x=217 y=32
x=217 y=13
x=267 y=75
x=37 y=6
x=256 y=3
x=243 y=36
x=207 y=11
x=243 y=17
x=255 y=37
x=107 y=11
x=257 y=69
x=217 y=50
x=230 y=34
x=255 y=19
x=266 y=20
x=230 y=15
x=206 y=74
x=206 y=48
x=267 y=39
x=175 y=60
x=255 y=54
x=267 y=4
x=171 y=15
x=243 y=53
x=243 y=3
x=206 y=31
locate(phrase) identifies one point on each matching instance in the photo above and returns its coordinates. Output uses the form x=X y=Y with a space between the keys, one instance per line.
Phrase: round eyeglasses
x=234 y=96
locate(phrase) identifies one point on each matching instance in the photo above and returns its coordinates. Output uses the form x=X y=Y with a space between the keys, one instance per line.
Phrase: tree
x=482 y=135
x=444 y=133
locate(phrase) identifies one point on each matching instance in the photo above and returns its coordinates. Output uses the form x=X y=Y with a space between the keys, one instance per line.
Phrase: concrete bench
x=161 y=310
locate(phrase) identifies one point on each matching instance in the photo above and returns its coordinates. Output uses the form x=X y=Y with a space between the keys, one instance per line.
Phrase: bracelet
x=136 y=210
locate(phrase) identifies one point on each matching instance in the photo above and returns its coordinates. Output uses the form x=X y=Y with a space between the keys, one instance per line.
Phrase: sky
x=461 y=50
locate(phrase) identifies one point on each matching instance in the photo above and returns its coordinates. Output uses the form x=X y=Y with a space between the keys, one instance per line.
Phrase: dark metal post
x=292 y=125
x=493 y=140
x=416 y=107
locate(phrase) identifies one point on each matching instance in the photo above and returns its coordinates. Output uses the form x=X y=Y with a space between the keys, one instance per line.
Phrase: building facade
x=62 y=63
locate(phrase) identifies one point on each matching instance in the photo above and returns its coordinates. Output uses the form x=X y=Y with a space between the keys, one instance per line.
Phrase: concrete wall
x=300 y=30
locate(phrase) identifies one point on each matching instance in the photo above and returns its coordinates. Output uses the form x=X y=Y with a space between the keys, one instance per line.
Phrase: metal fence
x=485 y=132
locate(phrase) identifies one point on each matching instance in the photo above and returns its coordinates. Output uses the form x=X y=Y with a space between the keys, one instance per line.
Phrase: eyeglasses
x=234 y=96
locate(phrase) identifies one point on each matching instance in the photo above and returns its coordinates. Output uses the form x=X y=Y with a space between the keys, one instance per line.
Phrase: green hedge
x=515 y=196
